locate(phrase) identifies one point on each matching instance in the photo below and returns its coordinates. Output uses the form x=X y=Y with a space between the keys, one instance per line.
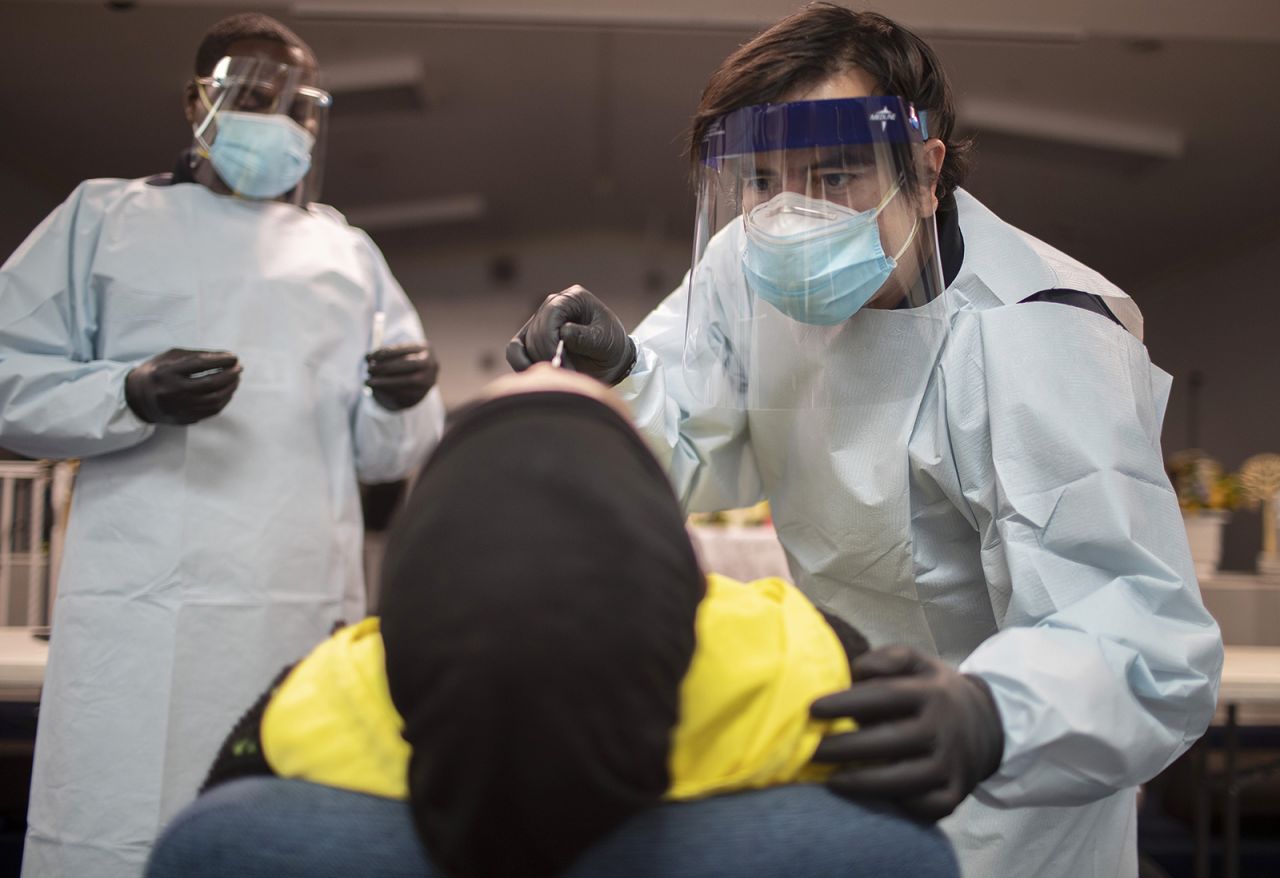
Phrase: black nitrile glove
x=927 y=734
x=182 y=386
x=400 y=375
x=595 y=341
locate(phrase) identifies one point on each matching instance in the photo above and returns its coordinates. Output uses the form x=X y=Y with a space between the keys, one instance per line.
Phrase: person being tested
x=958 y=429
x=227 y=357
x=551 y=665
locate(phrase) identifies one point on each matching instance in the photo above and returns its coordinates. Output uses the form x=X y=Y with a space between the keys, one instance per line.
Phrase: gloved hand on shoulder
x=927 y=734
x=401 y=375
x=182 y=386
x=595 y=341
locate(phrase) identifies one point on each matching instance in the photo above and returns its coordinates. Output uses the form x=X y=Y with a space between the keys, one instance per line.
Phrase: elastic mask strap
x=884 y=202
x=211 y=111
x=911 y=237
x=897 y=187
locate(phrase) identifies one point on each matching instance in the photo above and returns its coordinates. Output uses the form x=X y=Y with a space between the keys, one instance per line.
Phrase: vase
x=1269 y=557
x=1204 y=536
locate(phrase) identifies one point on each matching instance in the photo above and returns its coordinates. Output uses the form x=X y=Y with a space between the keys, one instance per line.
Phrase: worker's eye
x=257 y=100
x=836 y=181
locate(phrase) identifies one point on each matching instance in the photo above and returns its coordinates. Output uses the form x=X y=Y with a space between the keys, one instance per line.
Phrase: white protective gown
x=987 y=487
x=200 y=559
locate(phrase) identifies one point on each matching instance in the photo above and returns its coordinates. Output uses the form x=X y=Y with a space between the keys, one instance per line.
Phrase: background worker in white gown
x=958 y=429
x=227 y=357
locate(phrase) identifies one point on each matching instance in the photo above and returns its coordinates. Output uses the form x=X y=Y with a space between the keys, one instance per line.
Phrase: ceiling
x=1137 y=136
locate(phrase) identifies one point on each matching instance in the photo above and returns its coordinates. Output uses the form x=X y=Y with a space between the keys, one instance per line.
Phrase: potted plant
x=1206 y=494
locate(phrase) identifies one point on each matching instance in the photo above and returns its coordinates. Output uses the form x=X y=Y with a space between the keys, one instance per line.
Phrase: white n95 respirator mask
x=816 y=261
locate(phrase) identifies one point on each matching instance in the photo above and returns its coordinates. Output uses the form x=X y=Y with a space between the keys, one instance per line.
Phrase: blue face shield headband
x=802 y=124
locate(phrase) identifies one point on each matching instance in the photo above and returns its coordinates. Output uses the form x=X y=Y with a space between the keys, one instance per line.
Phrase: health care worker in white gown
x=959 y=437
x=202 y=346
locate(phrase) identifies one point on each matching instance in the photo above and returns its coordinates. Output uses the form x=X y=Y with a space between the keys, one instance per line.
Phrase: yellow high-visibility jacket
x=763 y=654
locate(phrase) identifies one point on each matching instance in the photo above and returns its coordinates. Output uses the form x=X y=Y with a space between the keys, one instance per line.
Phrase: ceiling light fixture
x=1073 y=128
x=418 y=212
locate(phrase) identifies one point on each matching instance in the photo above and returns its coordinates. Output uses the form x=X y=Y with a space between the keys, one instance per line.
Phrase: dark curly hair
x=245 y=26
x=822 y=40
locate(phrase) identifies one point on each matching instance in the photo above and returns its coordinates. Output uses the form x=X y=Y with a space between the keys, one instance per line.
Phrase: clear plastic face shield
x=813 y=216
x=262 y=128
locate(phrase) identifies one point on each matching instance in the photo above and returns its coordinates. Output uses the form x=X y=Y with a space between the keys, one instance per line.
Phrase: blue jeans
x=271 y=828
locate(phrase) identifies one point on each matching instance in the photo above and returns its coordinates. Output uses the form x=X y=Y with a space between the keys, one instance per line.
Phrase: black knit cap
x=539 y=596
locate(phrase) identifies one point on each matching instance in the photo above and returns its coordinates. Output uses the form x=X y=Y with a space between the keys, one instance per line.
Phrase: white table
x=1250 y=682
x=22 y=660
x=1250 y=675
x=1246 y=606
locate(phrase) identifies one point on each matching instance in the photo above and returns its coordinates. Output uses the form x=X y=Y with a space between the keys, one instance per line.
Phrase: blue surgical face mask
x=260 y=155
x=816 y=261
